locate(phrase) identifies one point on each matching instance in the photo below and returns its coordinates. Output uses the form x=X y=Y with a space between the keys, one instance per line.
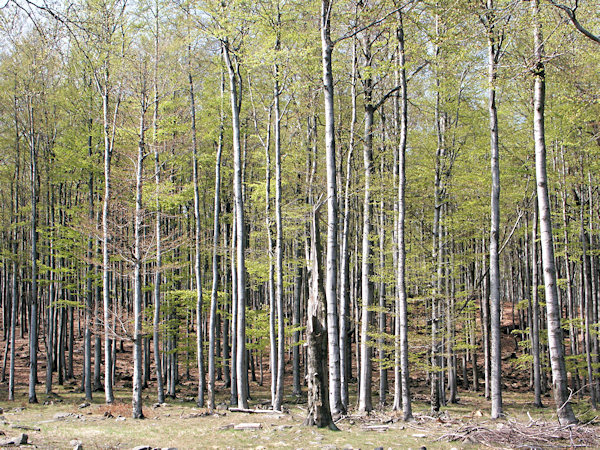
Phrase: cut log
x=247 y=426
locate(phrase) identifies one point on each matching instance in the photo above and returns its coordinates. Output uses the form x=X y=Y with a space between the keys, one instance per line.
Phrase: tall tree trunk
x=555 y=338
x=279 y=232
x=33 y=317
x=215 y=262
x=495 y=304
x=345 y=254
x=137 y=275
x=108 y=149
x=535 y=319
x=402 y=396
x=365 y=401
x=319 y=413
x=198 y=237
x=158 y=237
x=332 y=213
x=242 y=371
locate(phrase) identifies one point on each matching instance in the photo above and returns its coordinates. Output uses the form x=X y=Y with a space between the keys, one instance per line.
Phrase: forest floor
x=63 y=419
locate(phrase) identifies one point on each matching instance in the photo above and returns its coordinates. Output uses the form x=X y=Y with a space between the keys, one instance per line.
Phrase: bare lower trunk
x=496 y=356
x=198 y=256
x=242 y=372
x=137 y=276
x=319 y=413
x=402 y=396
x=555 y=338
x=332 y=213
x=215 y=268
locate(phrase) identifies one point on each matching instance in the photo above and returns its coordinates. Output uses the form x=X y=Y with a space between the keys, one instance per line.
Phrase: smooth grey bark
x=234 y=308
x=279 y=229
x=160 y=388
x=33 y=315
x=87 y=344
x=383 y=372
x=365 y=400
x=344 y=253
x=332 y=212
x=489 y=20
x=555 y=338
x=138 y=299
x=586 y=296
x=235 y=96
x=198 y=237
x=402 y=398
x=535 y=316
x=298 y=285
x=215 y=262
x=109 y=139
x=51 y=300
x=15 y=249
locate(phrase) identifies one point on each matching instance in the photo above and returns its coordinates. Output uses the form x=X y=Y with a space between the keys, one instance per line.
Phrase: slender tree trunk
x=365 y=402
x=137 y=276
x=535 y=319
x=198 y=237
x=279 y=234
x=108 y=148
x=158 y=236
x=495 y=304
x=555 y=338
x=215 y=263
x=345 y=254
x=402 y=397
x=242 y=371
x=332 y=213
x=33 y=319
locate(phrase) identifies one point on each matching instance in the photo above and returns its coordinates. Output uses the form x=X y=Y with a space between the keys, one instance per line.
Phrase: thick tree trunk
x=319 y=413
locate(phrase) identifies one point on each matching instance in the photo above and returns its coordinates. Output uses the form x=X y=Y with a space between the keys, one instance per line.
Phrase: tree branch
x=571 y=15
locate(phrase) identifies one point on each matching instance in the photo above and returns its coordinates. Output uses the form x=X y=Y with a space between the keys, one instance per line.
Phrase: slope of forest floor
x=63 y=419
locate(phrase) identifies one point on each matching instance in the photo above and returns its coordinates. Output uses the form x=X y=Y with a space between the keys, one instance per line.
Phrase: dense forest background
x=361 y=197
